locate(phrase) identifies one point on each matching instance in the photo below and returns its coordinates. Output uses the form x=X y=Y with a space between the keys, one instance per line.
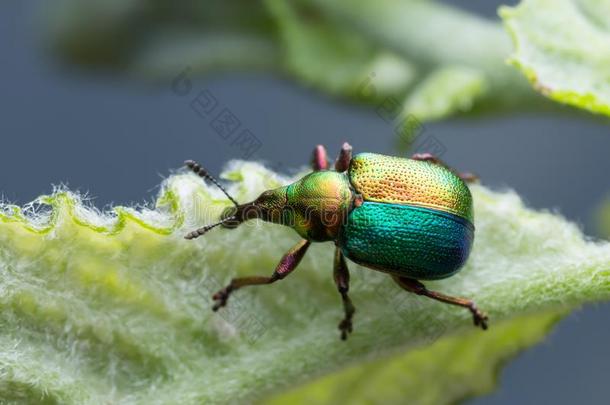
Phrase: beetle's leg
x=416 y=287
x=341 y=276
x=288 y=263
x=345 y=156
x=428 y=157
x=319 y=160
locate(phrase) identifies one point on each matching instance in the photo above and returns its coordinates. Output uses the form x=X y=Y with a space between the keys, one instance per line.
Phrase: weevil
x=409 y=218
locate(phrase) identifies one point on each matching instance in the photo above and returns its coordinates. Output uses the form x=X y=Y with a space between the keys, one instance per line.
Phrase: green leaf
x=161 y=38
x=464 y=366
x=456 y=59
x=563 y=47
x=433 y=36
x=446 y=91
x=115 y=307
x=171 y=51
x=338 y=47
x=399 y=65
x=323 y=55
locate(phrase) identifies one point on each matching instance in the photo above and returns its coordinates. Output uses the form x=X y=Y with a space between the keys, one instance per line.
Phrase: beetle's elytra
x=409 y=218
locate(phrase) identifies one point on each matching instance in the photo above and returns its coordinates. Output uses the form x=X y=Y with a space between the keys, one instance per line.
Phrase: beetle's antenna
x=198 y=232
x=203 y=173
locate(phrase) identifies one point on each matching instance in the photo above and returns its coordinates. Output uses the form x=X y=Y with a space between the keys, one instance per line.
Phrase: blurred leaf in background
x=434 y=59
x=158 y=39
x=563 y=47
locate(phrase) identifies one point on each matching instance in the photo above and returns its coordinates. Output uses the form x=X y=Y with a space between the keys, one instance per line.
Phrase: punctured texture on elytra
x=417 y=183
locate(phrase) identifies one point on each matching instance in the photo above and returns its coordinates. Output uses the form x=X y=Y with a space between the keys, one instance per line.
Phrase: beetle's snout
x=230 y=212
x=240 y=214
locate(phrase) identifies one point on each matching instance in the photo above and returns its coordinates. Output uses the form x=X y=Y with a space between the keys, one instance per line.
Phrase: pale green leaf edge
x=512 y=18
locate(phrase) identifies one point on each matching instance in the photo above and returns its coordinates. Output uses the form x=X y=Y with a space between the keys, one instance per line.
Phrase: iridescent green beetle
x=410 y=218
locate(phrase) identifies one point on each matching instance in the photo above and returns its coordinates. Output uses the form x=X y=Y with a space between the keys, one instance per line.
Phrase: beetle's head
x=314 y=206
x=269 y=206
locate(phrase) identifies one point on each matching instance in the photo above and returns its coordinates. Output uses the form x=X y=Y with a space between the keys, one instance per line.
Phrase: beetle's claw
x=221 y=298
x=345 y=326
x=479 y=317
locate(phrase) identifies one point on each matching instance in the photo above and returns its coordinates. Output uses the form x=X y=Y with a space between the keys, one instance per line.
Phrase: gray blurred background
x=116 y=139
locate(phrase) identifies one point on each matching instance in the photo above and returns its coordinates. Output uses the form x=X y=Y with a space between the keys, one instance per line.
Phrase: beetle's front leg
x=288 y=263
x=428 y=157
x=341 y=276
x=416 y=287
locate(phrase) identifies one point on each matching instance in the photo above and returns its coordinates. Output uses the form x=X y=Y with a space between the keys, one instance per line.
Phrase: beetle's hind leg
x=416 y=287
x=428 y=157
x=288 y=263
x=341 y=276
